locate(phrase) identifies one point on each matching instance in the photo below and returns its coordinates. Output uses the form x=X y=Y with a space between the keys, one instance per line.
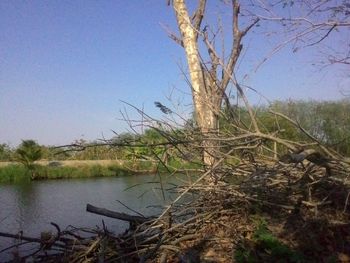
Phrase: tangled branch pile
x=305 y=208
x=255 y=204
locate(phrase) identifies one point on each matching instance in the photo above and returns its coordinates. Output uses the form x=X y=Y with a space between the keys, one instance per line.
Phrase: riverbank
x=18 y=173
x=77 y=163
x=266 y=218
x=12 y=172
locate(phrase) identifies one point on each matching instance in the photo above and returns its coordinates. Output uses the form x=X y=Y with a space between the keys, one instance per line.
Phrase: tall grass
x=83 y=171
x=18 y=173
x=13 y=173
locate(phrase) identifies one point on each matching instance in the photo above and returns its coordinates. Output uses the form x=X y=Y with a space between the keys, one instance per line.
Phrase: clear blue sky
x=65 y=66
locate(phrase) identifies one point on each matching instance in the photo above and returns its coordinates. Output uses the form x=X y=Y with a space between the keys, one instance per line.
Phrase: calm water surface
x=32 y=206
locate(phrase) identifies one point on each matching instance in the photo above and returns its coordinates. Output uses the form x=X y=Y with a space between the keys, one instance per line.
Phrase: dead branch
x=121 y=216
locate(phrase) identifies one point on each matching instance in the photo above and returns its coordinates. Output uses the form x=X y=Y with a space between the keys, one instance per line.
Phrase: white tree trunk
x=203 y=96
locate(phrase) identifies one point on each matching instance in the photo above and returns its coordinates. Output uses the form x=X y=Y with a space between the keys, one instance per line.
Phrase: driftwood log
x=121 y=216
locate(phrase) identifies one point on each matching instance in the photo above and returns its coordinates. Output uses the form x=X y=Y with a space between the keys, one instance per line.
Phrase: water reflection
x=26 y=198
x=32 y=206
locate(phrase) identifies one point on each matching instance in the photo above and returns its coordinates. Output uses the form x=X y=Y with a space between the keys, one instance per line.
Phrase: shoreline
x=75 y=163
x=13 y=172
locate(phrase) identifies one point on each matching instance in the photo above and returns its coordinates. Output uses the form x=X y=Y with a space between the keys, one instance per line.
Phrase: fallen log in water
x=121 y=216
x=20 y=236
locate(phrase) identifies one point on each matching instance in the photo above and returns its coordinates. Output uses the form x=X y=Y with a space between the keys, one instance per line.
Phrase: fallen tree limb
x=21 y=237
x=121 y=216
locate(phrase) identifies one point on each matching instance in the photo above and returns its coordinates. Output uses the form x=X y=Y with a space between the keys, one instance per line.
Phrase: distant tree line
x=126 y=146
x=328 y=121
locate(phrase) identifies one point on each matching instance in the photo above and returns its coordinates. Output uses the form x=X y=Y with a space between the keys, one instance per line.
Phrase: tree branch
x=236 y=45
x=326 y=35
x=117 y=215
x=198 y=17
x=172 y=35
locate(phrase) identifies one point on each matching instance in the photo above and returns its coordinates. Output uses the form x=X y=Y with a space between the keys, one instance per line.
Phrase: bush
x=265 y=247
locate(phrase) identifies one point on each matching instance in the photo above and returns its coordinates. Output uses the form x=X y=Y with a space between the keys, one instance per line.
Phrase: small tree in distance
x=27 y=153
x=5 y=152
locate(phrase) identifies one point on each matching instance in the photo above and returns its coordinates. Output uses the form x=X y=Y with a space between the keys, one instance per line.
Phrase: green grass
x=18 y=173
x=139 y=165
x=14 y=173
x=265 y=247
x=173 y=165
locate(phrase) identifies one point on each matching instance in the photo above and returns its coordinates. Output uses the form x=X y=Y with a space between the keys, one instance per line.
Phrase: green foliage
x=328 y=121
x=19 y=173
x=48 y=153
x=5 y=152
x=265 y=247
x=92 y=153
x=126 y=146
x=13 y=174
x=273 y=246
x=82 y=172
x=244 y=256
x=28 y=152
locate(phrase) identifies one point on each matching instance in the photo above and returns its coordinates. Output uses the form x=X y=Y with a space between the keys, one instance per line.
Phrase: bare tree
x=322 y=24
x=209 y=80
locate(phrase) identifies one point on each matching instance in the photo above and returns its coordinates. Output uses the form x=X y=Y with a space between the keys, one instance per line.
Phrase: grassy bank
x=15 y=172
x=18 y=173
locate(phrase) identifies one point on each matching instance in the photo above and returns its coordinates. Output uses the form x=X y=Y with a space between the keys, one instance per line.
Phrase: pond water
x=32 y=206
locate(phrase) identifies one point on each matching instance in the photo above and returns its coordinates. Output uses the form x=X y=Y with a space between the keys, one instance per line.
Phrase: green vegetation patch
x=265 y=247
x=55 y=170
x=20 y=173
x=14 y=174
x=82 y=171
